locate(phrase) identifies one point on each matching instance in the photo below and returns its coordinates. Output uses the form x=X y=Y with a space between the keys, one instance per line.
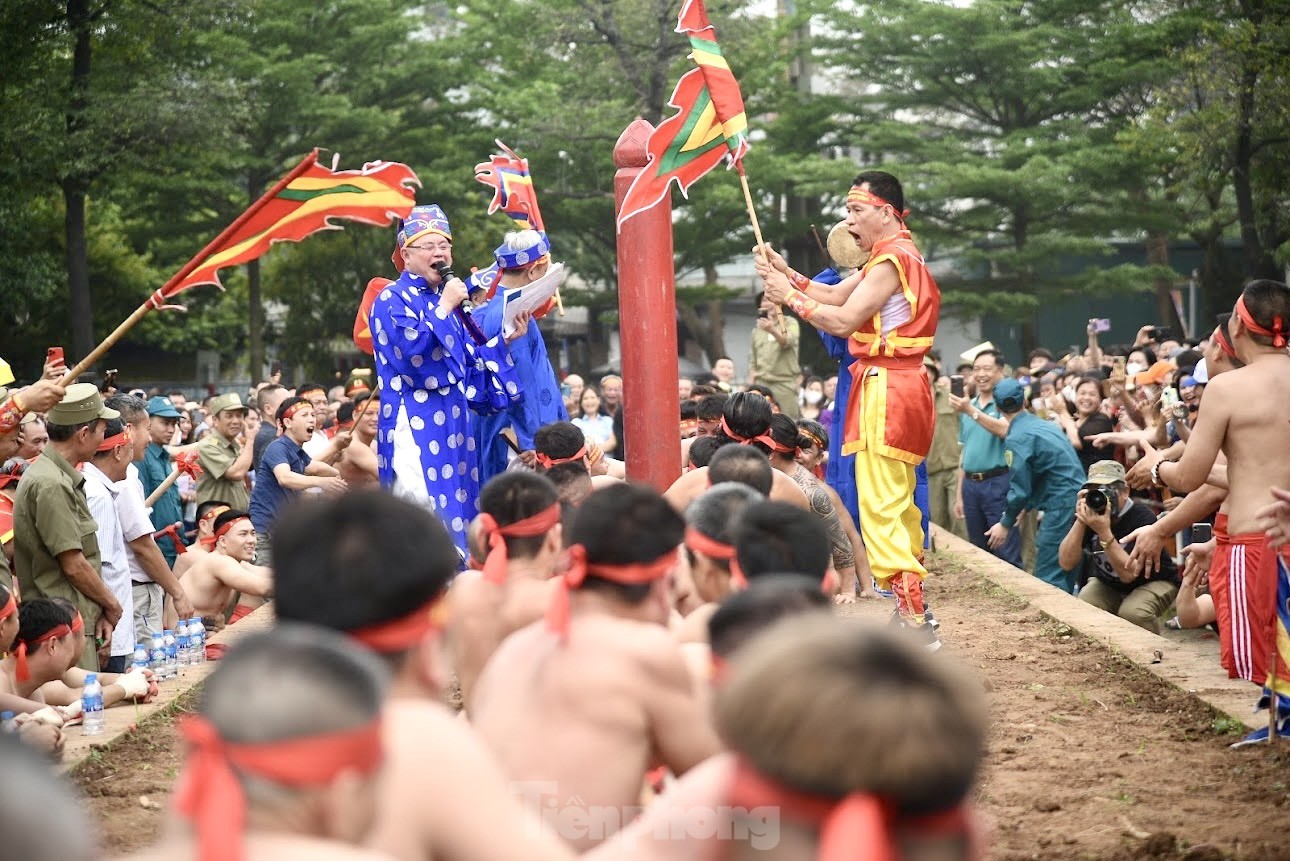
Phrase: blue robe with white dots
x=540 y=400
x=432 y=376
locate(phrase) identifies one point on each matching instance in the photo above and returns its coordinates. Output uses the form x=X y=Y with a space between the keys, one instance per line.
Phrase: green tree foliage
x=1004 y=113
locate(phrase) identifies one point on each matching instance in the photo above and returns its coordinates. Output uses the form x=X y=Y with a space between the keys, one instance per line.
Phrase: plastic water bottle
x=157 y=657
x=197 y=638
x=172 y=653
x=141 y=656
x=6 y=722
x=183 y=644
x=92 y=706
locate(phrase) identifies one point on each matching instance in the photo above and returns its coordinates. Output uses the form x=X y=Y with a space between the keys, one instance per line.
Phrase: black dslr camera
x=1099 y=499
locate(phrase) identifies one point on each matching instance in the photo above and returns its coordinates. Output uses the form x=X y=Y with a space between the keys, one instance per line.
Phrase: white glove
x=47 y=715
x=134 y=683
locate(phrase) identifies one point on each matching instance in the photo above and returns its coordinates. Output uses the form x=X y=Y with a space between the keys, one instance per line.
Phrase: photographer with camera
x=1104 y=514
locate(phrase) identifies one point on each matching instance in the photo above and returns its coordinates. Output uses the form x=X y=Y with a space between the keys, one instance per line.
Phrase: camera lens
x=1096 y=499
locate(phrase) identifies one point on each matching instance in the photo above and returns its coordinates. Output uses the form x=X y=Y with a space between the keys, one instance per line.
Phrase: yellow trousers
x=890 y=522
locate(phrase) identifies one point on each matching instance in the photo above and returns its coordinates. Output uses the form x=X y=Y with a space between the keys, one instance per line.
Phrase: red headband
x=402 y=633
x=210 y=795
x=293 y=409
x=764 y=439
x=1277 y=333
x=78 y=624
x=557 y=614
x=208 y=542
x=857 y=826
x=864 y=195
x=23 y=672
x=171 y=532
x=10 y=607
x=714 y=549
x=495 y=565
x=122 y=438
x=548 y=462
x=227 y=526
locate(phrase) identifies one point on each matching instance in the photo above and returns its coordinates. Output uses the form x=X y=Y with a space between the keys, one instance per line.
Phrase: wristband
x=798 y=280
x=801 y=304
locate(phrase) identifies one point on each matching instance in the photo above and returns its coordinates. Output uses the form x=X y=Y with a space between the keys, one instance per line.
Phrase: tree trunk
x=1166 y=310
x=1258 y=256
x=255 y=313
x=76 y=186
x=716 y=331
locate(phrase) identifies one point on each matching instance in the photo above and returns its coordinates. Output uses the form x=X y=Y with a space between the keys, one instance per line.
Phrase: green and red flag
x=305 y=201
x=513 y=192
x=710 y=124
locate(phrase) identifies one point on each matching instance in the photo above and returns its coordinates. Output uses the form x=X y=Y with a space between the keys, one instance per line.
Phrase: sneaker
x=926 y=632
x=1173 y=624
x=931 y=620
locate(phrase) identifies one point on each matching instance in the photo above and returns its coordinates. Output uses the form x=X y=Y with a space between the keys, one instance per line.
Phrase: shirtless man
x=131 y=686
x=42 y=654
x=1246 y=415
x=885 y=772
x=206 y=514
x=564 y=454
x=357 y=464
x=710 y=545
x=746 y=421
x=774 y=538
x=783 y=457
x=519 y=536
x=284 y=754
x=375 y=567
x=227 y=568
x=741 y=463
x=580 y=706
x=811 y=456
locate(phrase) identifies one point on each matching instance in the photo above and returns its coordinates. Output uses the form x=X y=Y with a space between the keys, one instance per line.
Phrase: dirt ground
x=1090 y=757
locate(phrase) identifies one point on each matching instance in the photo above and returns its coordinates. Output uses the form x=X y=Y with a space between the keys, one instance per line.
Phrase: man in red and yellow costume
x=888 y=310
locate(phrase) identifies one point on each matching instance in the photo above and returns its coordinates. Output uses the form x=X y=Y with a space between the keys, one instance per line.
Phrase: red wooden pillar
x=647 y=324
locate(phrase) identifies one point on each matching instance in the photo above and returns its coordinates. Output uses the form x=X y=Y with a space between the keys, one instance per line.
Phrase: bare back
x=582 y=721
x=442 y=795
x=1246 y=412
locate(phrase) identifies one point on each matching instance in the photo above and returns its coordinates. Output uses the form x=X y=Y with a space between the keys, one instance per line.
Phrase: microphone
x=464 y=310
x=446 y=274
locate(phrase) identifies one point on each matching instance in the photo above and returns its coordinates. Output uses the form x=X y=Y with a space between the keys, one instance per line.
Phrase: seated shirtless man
x=519 y=537
x=710 y=545
x=564 y=454
x=42 y=656
x=357 y=464
x=212 y=580
x=580 y=706
x=130 y=686
x=886 y=772
x=375 y=567
x=284 y=754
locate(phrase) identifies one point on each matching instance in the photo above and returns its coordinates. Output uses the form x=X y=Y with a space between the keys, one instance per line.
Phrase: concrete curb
x=77 y=748
x=1192 y=667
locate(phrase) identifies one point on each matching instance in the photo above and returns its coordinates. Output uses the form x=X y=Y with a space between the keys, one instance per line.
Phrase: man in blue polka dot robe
x=433 y=375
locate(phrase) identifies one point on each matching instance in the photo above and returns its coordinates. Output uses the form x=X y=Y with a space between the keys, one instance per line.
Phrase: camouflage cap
x=1105 y=472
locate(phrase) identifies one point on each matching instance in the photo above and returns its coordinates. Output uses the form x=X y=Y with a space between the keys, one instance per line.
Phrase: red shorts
x=241 y=611
x=1243 y=583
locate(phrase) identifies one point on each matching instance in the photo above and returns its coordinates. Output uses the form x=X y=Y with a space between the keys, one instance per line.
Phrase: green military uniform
x=777 y=367
x=943 y=465
x=50 y=516
x=1046 y=476
x=216 y=454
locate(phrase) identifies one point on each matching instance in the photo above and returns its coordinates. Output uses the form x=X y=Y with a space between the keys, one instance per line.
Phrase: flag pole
x=761 y=243
x=157 y=299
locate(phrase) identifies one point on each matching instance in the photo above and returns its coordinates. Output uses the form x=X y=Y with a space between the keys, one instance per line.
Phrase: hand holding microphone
x=454 y=298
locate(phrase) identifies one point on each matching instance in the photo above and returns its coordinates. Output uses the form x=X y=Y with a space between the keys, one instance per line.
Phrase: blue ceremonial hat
x=1009 y=395
x=424 y=220
x=484 y=279
x=508 y=259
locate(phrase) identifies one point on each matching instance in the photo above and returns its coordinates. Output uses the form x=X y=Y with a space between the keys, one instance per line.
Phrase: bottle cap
x=91 y=677
x=6 y=715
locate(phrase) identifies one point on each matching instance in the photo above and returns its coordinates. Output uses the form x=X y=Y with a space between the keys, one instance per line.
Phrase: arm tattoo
x=822 y=506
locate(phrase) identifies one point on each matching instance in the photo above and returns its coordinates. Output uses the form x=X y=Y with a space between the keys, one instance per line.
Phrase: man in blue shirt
x=155 y=467
x=983 y=473
x=285 y=470
x=1046 y=476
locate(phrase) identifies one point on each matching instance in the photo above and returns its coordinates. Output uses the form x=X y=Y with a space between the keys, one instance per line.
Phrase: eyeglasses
x=438 y=246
